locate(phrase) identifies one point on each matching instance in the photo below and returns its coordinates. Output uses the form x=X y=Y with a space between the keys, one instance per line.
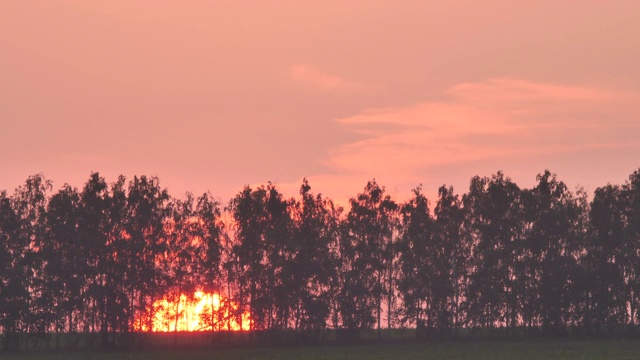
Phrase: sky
x=214 y=95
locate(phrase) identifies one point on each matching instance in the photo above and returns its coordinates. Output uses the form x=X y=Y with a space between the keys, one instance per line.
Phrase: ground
x=494 y=350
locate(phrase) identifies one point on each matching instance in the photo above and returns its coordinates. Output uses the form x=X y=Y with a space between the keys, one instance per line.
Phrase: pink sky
x=213 y=95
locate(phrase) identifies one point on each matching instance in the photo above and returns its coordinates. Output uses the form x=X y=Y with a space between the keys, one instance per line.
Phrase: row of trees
x=545 y=259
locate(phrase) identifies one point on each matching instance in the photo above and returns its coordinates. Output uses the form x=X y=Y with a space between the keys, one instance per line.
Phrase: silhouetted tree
x=496 y=224
x=551 y=250
x=209 y=256
x=417 y=252
x=30 y=202
x=65 y=264
x=92 y=231
x=608 y=264
x=367 y=248
x=146 y=213
x=280 y=251
x=13 y=275
x=632 y=190
x=181 y=253
x=97 y=260
x=248 y=210
x=454 y=242
x=314 y=263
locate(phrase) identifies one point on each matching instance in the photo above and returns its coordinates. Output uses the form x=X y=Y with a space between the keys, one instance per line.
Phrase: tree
x=434 y=254
x=249 y=252
x=314 y=260
x=146 y=212
x=551 y=251
x=367 y=247
x=209 y=232
x=191 y=257
x=495 y=223
x=607 y=261
x=29 y=203
x=417 y=280
x=264 y=253
x=180 y=255
x=280 y=252
x=102 y=214
x=13 y=287
x=453 y=240
x=65 y=264
x=97 y=260
x=93 y=240
x=632 y=192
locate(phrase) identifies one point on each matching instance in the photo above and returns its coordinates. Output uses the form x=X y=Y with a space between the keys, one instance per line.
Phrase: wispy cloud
x=487 y=126
x=307 y=75
x=505 y=90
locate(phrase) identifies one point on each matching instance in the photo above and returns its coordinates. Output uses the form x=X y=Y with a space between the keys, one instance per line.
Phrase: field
x=495 y=350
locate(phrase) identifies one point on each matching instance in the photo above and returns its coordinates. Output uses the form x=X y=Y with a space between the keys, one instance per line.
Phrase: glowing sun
x=199 y=312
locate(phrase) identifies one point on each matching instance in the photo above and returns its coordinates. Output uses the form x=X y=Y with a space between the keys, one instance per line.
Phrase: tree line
x=544 y=260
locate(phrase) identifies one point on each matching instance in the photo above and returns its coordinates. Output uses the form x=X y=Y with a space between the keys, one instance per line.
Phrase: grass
x=494 y=350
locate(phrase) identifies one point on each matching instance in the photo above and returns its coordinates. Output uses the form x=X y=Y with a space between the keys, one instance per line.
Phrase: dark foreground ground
x=495 y=350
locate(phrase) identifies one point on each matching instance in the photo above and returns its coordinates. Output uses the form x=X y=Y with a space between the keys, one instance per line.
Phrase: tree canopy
x=500 y=258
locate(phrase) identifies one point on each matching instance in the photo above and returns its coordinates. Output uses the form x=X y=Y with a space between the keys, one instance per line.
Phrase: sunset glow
x=409 y=92
x=183 y=178
x=194 y=314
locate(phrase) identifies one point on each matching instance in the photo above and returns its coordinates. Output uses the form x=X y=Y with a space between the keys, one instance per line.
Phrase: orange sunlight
x=195 y=313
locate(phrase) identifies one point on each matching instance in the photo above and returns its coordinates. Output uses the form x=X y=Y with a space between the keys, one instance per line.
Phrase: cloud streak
x=307 y=75
x=498 y=124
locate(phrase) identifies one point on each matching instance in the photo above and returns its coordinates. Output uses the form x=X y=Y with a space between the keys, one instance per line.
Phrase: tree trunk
x=175 y=326
x=390 y=298
x=379 y=315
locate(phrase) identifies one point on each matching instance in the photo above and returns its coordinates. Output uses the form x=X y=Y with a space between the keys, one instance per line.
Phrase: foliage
x=497 y=259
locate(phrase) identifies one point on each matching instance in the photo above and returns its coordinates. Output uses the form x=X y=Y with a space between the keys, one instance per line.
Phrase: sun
x=200 y=311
